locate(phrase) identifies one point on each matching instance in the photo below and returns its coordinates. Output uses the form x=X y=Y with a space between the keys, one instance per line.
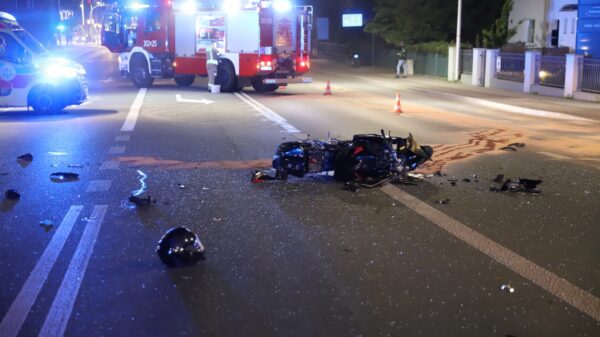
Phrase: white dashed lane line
x=116 y=150
x=123 y=138
x=110 y=165
x=99 y=186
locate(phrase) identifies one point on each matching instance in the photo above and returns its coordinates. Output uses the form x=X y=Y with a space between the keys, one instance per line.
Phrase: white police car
x=29 y=76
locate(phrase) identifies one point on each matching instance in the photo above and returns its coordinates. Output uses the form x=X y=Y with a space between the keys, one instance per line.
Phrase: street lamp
x=458 y=29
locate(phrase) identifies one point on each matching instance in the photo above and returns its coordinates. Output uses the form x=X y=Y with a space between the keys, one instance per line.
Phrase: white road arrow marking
x=186 y=100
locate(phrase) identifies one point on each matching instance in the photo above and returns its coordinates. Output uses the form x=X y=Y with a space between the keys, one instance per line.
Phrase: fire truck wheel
x=226 y=77
x=44 y=100
x=184 y=80
x=259 y=86
x=140 y=73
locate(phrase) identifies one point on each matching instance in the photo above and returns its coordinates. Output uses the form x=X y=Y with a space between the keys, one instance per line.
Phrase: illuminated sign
x=352 y=20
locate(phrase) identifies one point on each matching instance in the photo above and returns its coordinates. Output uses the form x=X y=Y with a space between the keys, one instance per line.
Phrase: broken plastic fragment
x=507 y=288
x=258 y=177
x=142 y=201
x=443 y=201
x=499 y=179
x=525 y=186
x=517 y=144
x=350 y=186
x=180 y=247
x=76 y=166
x=47 y=225
x=508 y=148
x=182 y=186
x=12 y=194
x=25 y=157
x=61 y=177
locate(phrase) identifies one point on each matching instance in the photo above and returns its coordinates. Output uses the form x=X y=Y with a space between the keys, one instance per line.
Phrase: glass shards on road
x=180 y=247
x=522 y=185
x=64 y=177
x=507 y=288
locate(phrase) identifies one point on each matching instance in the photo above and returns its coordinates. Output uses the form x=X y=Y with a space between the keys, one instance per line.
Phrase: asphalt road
x=306 y=257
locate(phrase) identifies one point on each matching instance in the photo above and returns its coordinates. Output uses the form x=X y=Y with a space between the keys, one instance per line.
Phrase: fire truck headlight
x=282 y=5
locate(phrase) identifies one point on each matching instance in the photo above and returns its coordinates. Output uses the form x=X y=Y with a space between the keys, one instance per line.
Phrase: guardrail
x=550 y=71
x=590 y=79
x=512 y=67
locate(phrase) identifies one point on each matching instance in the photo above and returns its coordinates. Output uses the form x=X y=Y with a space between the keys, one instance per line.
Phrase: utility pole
x=458 y=29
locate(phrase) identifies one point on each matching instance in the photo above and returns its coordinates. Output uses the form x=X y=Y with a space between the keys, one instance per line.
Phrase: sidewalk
x=535 y=104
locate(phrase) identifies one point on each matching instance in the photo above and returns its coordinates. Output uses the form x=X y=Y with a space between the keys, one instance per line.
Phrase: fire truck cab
x=263 y=44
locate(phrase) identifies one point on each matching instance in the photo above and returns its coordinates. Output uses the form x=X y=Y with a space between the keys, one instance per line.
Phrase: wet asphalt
x=306 y=257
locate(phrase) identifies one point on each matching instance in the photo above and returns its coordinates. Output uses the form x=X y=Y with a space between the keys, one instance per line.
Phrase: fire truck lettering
x=150 y=43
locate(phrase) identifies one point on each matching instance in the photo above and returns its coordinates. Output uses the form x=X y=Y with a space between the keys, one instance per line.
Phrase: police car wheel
x=45 y=101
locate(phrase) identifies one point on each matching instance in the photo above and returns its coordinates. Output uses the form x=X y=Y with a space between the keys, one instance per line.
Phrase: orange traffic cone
x=327 y=89
x=398 y=107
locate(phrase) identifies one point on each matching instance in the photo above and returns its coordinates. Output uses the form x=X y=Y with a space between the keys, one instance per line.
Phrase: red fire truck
x=263 y=44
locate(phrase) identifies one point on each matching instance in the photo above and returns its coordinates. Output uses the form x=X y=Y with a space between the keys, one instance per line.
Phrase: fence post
x=529 y=73
x=572 y=74
x=490 y=66
x=478 y=67
x=452 y=71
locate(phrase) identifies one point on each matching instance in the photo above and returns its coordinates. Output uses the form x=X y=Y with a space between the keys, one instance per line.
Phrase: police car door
x=16 y=71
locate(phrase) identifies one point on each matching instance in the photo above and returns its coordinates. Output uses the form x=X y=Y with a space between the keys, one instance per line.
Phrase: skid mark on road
x=186 y=165
x=478 y=143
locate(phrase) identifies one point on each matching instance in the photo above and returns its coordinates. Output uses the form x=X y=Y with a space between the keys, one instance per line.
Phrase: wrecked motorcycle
x=368 y=160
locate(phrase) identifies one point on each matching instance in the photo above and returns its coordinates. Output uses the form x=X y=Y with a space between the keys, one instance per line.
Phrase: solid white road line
x=550 y=282
x=134 y=111
x=268 y=113
x=116 y=150
x=99 y=186
x=510 y=108
x=62 y=306
x=18 y=311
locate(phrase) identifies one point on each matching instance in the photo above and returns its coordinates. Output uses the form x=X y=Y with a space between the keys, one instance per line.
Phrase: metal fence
x=550 y=71
x=590 y=79
x=512 y=67
x=430 y=64
x=466 y=61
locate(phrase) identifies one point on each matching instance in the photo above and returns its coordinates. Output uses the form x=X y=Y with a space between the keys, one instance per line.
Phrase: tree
x=498 y=33
x=411 y=21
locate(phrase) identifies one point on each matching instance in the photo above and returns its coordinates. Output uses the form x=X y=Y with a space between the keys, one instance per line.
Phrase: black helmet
x=180 y=247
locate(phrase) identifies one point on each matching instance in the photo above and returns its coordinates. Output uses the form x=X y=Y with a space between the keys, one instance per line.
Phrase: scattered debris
x=350 y=186
x=440 y=174
x=205 y=188
x=12 y=194
x=525 y=186
x=180 y=247
x=509 y=149
x=513 y=147
x=520 y=145
x=258 y=177
x=499 y=179
x=181 y=186
x=61 y=177
x=443 y=202
x=218 y=219
x=142 y=201
x=467 y=180
x=25 y=157
x=507 y=288
x=47 y=225
x=347 y=250
x=76 y=166
x=521 y=185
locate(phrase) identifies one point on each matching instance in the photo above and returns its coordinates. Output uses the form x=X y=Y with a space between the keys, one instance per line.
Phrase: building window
x=530 y=24
x=565 y=24
x=573 y=26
